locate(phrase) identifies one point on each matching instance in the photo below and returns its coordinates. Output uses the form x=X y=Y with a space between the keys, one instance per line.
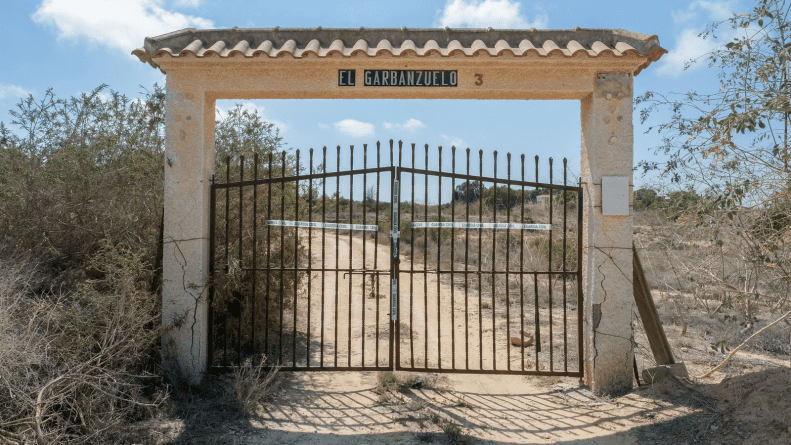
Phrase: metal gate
x=404 y=266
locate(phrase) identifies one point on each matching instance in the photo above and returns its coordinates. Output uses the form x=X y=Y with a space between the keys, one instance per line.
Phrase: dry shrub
x=253 y=383
x=76 y=366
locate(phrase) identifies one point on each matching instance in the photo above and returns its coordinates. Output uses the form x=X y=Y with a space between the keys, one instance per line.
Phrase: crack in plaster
x=188 y=288
x=596 y=316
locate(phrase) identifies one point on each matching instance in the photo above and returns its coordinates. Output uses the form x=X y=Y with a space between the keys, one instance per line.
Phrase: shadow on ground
x=345 y=408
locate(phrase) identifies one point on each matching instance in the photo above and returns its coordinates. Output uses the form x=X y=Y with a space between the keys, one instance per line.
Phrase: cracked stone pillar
x=607 y=151
x=189 y=164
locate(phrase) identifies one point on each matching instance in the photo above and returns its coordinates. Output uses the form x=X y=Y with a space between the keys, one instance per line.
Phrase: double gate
x=414 y=265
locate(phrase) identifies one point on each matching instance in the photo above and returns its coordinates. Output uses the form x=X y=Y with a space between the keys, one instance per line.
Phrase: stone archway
x=593 y=66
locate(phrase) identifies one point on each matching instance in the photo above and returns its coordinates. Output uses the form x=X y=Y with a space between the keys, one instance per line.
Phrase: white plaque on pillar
x=615 y=195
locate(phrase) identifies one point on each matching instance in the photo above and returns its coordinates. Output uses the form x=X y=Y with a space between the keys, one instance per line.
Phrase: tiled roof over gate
x=394 y=42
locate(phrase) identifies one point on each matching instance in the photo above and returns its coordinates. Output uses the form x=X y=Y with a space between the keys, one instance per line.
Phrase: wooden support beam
x=645 y=305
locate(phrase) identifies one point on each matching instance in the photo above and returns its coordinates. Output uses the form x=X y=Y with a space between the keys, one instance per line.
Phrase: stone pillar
x=607 y=150
x=189 y=165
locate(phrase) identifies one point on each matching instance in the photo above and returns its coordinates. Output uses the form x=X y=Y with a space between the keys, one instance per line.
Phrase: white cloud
x=688 y=46
x=454 y=141
x=8 y=91
x=709 y=9
x=503 y=14
x=252 y=107
x=354 y=128
x=411 y=124
x=193 y=3
x=118 y=25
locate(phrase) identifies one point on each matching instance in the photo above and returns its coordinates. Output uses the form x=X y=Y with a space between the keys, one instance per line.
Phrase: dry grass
x=76 y=366
x=254 y=382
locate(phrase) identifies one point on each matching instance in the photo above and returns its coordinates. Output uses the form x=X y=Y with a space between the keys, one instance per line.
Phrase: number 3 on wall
x=480 y=79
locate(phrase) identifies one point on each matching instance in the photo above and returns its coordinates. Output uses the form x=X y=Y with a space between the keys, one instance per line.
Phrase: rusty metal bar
x=508 y=269
x=565 y=235
x=282 y=259
x=255 y=254
x=494 y=266
x=323 y=247
x=337 y=247
x=212 y=259
x=439 y=264
x=480 y=249
x=268 y=258
x=412 y=266
x=310 y=256
x=549 y=278
x=452 y=260
x=365 y=199
x=522 y=269
x=296 y=265
x=351 y=212
x=376 y=251
x=466 y=268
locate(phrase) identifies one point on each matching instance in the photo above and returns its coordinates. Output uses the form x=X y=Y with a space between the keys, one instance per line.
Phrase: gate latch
x=394 y=299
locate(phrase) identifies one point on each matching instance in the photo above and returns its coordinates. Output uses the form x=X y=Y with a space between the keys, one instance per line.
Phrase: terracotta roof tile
x=318 y=42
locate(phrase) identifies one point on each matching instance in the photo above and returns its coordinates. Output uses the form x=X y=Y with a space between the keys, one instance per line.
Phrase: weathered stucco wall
x=607 y=150
x=189 y=164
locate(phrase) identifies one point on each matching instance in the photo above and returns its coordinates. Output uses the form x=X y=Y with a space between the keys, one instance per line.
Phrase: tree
x=468 y=191
x=734 y=141
x=728 y=150
x=644 y=198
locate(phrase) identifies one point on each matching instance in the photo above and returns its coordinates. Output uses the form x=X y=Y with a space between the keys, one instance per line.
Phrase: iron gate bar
x=212 y=228
x=507 y=268
x=291 y=178
x=549 y=281
x=323 y=250
x=522 y=267
x=296 y=264
x=439 y=260
x=351 y=252
x=480 y=277
x=282 y=258
x=376 y=250
x=396 y=169
x=412 y=266
x=494 y=262
x=452 y=263
x=337 y=245
x=310 y=255
x=466 y=280
x=565 y=232
x=268 y=258
x=255 y=250
x=365 y=191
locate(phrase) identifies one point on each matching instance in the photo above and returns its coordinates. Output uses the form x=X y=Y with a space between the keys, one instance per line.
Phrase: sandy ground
x=343 y=320
x=749 y=402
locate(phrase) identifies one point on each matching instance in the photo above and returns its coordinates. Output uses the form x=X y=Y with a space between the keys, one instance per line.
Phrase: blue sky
x=75 y=45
